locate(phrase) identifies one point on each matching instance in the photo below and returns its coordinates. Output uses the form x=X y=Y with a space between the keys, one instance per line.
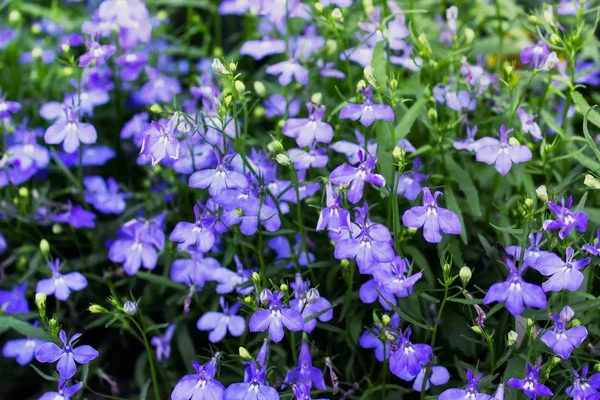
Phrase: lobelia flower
x=219 y=178
x=134 y=250
x=531 y=253
x=368 y=112
x=470 y=144
x=357 y=176
x=305 y=372
x=64 y=392
x=584 y=388
x=230 y=281
x=66 y=356
x=276 y=105
x=160 y=142
x=288 y=70
x=22 y=350
x=103 y=195
x=221 y=322
x=393 y=277
x=3 y=245
x=200 y=234
x=408 y=357
x=471 y=392
x=163 y=343
x=131 y=65
x=275 y=318
x=302 y=391
x=61 y=285
x=535 y=54
x=195 y=271
x=432 y=218
x=96 y=53
x=158 y=89
x=563 y=274
x=438 y=375
x=253 y=387
x=309 y=302
x=369 y=341
x=409 y=184
x=14 y=302
x=530 y=385
x=562 y=341
x=70 y=132
x=515 y=293
x=499 y=393
x=306 y=131
x=201 y=385
x=334 y=217
x=502 y=153
x=76 y=217
x=567 y=219
x=281 y=246
x=528 y=124
x=7 y=107
x=371 y=290
x=592 y=249
x=351 y=149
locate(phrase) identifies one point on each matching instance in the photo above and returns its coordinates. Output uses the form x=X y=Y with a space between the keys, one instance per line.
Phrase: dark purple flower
x=531 y=253
x=160 y=141
x=66 y=356
x=221 y=322
x=407 y=357
x=530 y=385
x=163 y=343
x=61 y=285
x=76 y=216
x=201 y=385
x=22 y=350
x=595 y=248
x=563 y=340
x=7 y=107
x=432 y=218
x=64 y=392
x=104 y=195
x=515 y=293
x=584 y=388
x=3 y=245
x=368 y=112
x=393 y=277
x=254 y=386
x=535 y=54
x=14 y=302
x=471 y=392
x=309 y=302
x=70 y=132
x=357 y=176
x=275 y=318
x=409 y=184
x=502 y=153
x=567 y=219
x=333 y=217
x=96 y=53
x=305 y=372
x=286 y=70
x=563 y=274
x=306 y=131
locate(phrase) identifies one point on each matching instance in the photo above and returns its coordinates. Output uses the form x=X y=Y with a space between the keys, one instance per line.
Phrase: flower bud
x=45 y=248
x=156 y=108
x=276 y=147
x=312 y=296
x=345 y=263
x=227 y=100
x=529 y=203
x=549 y=14
x=65 y=48
x=360 y=85
x=53 y=324
x=542 y=193
x=551 y=62
x=399 y=154
x=446 y=268
x=97 y=309
x=575 y=322
x=369 y=73
x=260 y=88
x=529 y=323
x=336 y=14
x=513 y=141
x=331 y=46
x=232 y=66
x=36 y=29
x=283 y=159
x=316 y=98
x=219 y=68
x=555 y=361
x=465 y=275
x=37 y=53
x=319 y=7
x=255 y=278
x=40 y=300
x=240 y=87
x=265 y=297
x=56 y=229
x=394 y=84
x=534 y=20
x=248 y=300
x=67 y=71
x=130 y=307
x=477 y=329
x=162 y=15
x=511 y=338
x=283 y=287
x=14 y=17
x=469 y=35
x=597 y=367
x=245 y=354
x=385 y=320
x=368 y=5
x=432 y=114
x=591 y=182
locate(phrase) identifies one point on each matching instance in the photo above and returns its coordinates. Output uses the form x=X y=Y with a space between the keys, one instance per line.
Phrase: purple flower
x=334 y=217
x=195 y=271
x=281 y=246
x=22 y=350
x=409 y=183
x=567 y=219
x=515 y=292
x=535 y=54
x=303 y=160
x=470 y=144
x=502 y=153
x=70 y=131
x=393 y=277
x=306 y=131
x=14 y=302
x=584 y=388
x=76 y=216
x=371 y=290
x=532 y=253
x=305 y=372
x=408 y=357
x=438 y=375
x=103 y=195
x=471 y=392
x=254 y=386
x=432 y=218
x=368 y=112
x=592 y=249
x=201 y=385
x=163 y=343
x=96 y=53
x=309 y=302
x=259 y=49
x=562 y=340
x=158 y=89
x=230 y=281
x=64 y=392
x=286 y=70
x=200 y=234
x=160 y=142
x=7 y=107
x=134 y=250
x=302 y=391
x=66 y=356
x=368 y=340
x=3 y=245
x=61 y=285
x=357 y=176
x=275 y=318
x=219 y=323
x=6 y=36
x=352 y=150
x=530 y=385
x=276 y=106
x=131 y=65
x=563 y=274
x=219 y=178
x=528 y=124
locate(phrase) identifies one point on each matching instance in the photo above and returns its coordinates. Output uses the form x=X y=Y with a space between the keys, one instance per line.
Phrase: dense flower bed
x=265 y=199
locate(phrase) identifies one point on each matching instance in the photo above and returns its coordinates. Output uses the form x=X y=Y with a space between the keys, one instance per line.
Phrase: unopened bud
x=245 y=354
x=56 y=229
x=14 y=16
x=312 y=296
x=360 y=85
x=276 y=147
x=542 y=193
x=369 y=73
x=260 y=88
x=345 y=263
x=432 y=114
x=255 y=278
x=575 y=323
x=394 y=84
x=529 y=203
x=508 y=69
x=319 y=7
x=130 y=307
x=240 y=87
x=513 y=141
x=52 y=323
x=316 y=98
x=399 y=154
x=385 y=320
x=469 y=35
x=336 y=14
x=227 y=100
x=232 y=66
x=45 y=248
x=37 y=53
x=65 y=48
x=477 y=329
x=162 y=15
x=511 y=338
x=97 y=309
x=591 y=182
x=265 y=297
x=219 y=68
x=40 y=300
x=36 y=29
x=67 y=71
x=549 y=14
x=248 y=300
x=283 y=159
x=534 y=20
x=551 y=62
x=529 y=323
x=465 y=275
x=283 y=287
x=156 y=108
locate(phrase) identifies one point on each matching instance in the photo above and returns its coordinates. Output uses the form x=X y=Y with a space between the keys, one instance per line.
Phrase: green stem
x=299 y=210
x=150 y=356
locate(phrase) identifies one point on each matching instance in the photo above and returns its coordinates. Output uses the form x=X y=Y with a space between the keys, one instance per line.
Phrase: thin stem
x=150 y=356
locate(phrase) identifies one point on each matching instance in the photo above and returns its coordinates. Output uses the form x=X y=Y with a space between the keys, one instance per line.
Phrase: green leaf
x=551 y=122
x=24 y=328
x=514 y=231
x=156 y=327
x=465 y=184
x=586 y=132
x=185 y=345
x=452 y=204
x=379 y=64
x=408 y=119
x=584 y=107
x=162 y=281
